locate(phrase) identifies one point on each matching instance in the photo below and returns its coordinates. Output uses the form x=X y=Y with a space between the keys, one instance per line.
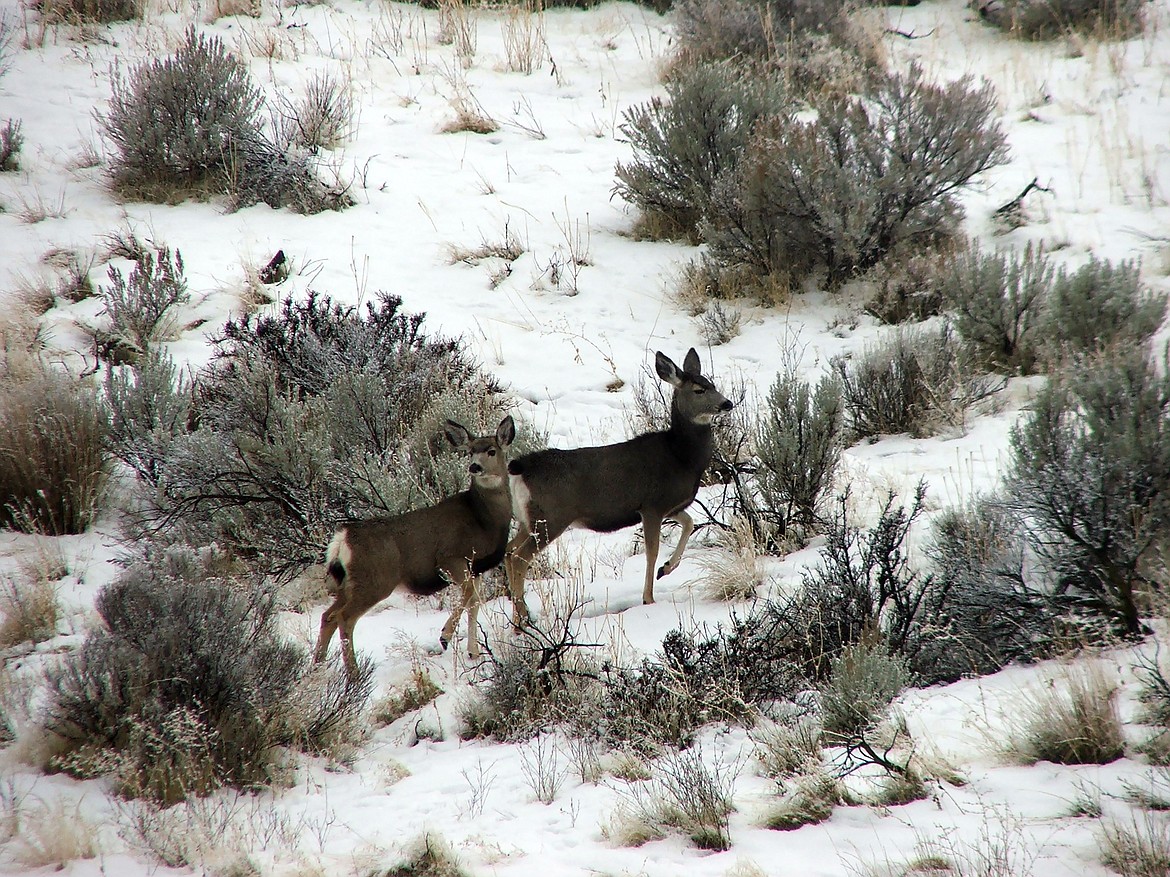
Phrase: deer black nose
x=475 y=468
x=726 y=406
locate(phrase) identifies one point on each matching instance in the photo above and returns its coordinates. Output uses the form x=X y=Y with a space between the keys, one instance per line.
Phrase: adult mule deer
x=651 y=478
x=453 y=542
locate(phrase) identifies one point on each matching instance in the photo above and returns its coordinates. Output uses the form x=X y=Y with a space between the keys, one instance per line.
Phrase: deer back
x=611 y=486
x=411 y=549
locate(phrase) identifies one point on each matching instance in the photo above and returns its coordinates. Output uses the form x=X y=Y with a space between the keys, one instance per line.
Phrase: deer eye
x=491 y=452
x=700 y=390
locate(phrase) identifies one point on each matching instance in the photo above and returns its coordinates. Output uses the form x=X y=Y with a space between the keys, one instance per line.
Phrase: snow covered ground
x=1090 y=122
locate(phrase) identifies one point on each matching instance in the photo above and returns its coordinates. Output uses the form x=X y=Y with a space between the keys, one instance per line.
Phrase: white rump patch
x=521 y=499
x=338 y=549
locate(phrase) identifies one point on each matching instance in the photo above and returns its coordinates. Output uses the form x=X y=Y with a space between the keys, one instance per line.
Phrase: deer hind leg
x=329 y=622
x=362 y=598
x=346 y=634
x=652 y=533
x=688 y=526
x=517 y=560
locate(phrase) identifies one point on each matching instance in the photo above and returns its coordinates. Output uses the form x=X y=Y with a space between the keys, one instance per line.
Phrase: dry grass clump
x=54 y=835
x=1140 y=848
x=1052 y=19
x=734 y=572
x=1074 y=720
x=784 y=749
x=322 y=119
x=223 y=8
x=525 y=46
x=91 y=11
x=687 y=795
x=999 y=851
x=53 y=460
x=29 y=609
x=428 y=856
x=469 y=118
x=417 y=692
x=811 y=800
x=919 y=382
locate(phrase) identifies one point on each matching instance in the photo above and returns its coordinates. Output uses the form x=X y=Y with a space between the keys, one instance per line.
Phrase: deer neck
x=692 y=442
x=492 y=505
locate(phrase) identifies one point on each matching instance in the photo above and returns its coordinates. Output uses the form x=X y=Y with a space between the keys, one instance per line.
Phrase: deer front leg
x=471 y=598
x=688 y=526
x=518 y=558
x=652 y=533
x=448 y=630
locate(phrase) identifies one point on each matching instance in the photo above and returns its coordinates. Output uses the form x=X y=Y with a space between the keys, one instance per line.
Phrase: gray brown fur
x=649 y=479
x=453 y=542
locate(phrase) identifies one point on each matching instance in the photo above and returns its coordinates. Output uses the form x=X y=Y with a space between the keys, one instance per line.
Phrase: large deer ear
x=667 y=370
x=457 y=434
x=691 y=364
x=506 y=431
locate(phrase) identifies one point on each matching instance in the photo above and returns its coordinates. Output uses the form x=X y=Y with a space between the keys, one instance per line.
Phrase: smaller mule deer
x=453 y=542
x=651 y=478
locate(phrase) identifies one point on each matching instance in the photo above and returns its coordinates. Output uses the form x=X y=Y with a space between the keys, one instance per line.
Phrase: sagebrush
x=683 y=142
x=188 y=685
x=1090 y=472
x=190 y=125
x=11 y=142
x=140 y=307
x=799 y=437
x=1049 y=19
x=838 y=193
x=1018 y=312
x=312 y=415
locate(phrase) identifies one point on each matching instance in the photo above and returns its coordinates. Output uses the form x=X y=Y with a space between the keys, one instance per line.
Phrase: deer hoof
x=662 y=570
x=444 y=642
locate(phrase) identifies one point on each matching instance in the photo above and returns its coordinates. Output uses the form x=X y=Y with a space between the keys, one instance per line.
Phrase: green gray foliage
x=1049 y=19
x=11 y=141
x=683 y=142
x=150 y=406
x=992 y=607
x=140 y=307
x=190 y=126
x=312 y=415
x=177 y=123
x=798 y=440
x=1100 y=305
x=1017 y=311
x=188 y=684
x=997 y=301
x=863 y=681
x=1090 y=473
x=840 y=192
